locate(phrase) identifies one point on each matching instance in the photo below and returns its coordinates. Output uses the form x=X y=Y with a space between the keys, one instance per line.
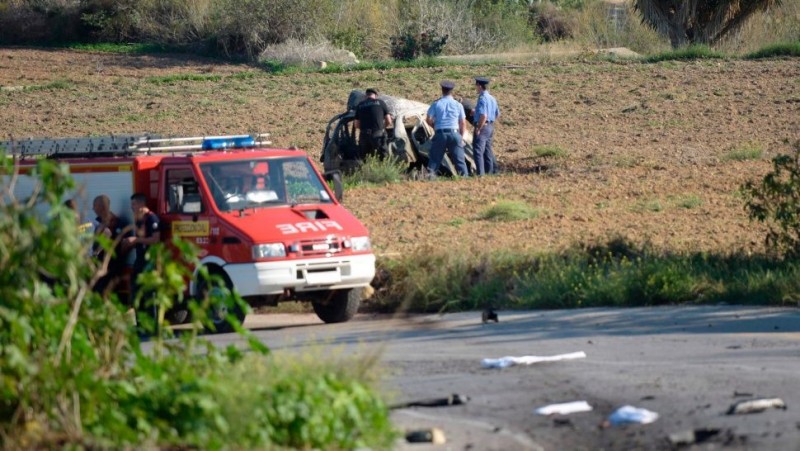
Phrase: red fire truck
x=265 y=220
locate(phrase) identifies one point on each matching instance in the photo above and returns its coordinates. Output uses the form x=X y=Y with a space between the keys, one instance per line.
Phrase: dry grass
x=781 y=24
x=294 y=52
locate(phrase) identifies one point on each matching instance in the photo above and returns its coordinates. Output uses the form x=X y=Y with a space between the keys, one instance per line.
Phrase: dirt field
x=649 y=147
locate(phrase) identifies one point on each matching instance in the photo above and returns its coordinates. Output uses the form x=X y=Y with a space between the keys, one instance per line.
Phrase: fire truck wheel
x=220 y=305
x=341 y=306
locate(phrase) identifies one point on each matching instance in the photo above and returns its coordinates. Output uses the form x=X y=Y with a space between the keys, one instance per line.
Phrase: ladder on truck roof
x=222 y=142
x=127 y=145
x=90 y=146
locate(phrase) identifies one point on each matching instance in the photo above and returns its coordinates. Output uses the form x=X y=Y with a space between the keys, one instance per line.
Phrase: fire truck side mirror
x=334 y=177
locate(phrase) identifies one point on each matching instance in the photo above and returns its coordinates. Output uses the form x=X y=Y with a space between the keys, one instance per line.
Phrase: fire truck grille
x=319 y=247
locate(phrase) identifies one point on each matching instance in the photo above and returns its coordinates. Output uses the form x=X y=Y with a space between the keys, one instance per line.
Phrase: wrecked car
x=409 y=137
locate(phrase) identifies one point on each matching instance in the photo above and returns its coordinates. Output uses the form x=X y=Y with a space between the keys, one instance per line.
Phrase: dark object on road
x=409 y=137
x=489 y=315
x=433 y=435
x=756 y=406
x=562 y=422
x=453 y=400
x=691 y=437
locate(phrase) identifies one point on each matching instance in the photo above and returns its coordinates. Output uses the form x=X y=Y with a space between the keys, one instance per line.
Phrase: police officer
x=448 y=120
x=372 y=118
x=486 y=113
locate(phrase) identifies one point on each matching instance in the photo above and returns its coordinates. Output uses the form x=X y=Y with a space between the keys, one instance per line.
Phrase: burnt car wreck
x=409 y=137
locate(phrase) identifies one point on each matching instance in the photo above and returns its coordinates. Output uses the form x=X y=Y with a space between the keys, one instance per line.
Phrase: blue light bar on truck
x=228 y=142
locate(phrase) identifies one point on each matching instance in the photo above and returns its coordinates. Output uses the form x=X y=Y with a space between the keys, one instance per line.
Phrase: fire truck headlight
x=360 y=243
x=270 y=250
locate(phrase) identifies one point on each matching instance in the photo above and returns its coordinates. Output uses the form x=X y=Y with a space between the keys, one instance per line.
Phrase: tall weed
x=615 y=273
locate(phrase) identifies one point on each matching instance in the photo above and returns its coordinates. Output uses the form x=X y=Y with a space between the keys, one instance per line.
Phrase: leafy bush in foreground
x=73 y=373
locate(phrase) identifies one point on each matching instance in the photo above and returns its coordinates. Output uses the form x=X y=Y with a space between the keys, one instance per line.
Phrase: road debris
x=691 y=437
x=565 y=408
x=489 y=315
x=432 y=435
x=756 y=406
x=505 y=362
x=453 y=400
x=631 y=415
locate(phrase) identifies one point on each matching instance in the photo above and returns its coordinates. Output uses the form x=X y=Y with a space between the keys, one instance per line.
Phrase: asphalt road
x=688 y=364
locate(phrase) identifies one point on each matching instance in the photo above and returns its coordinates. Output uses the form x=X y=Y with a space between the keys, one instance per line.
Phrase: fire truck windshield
x=240 y=184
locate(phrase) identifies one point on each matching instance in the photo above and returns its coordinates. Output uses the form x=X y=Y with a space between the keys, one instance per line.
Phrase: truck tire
x=342 y=305
x=218 y=311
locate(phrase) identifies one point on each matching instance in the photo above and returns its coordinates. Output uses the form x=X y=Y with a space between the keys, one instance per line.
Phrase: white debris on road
x=564 y=408
x=756 y=406
x=630 y=414
x=505 y=362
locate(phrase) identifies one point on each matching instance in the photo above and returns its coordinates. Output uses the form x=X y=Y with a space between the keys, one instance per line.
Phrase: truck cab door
x=184 y=211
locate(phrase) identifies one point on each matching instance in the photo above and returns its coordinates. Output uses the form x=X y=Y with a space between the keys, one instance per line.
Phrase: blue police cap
x=447 y=84
x=483 y=81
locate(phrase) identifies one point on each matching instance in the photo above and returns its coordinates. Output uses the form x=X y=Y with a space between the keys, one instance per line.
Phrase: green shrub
x=112 y=21
x=776 y=50
x=551 y=23
x=40 y=21
x=510 y=211
x=745 y=152
x=377 y=171
x=615 y=273
x=549 y=151
x=689 y=202
x=692 y=52
x=645 y=205
x=409 y=45
x=776 y=201
x=73 y=373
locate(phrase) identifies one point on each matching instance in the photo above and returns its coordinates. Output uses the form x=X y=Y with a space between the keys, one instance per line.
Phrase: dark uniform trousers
x=373 y=142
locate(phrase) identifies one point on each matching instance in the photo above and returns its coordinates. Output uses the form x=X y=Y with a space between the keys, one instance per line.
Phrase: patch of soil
x=648 y=145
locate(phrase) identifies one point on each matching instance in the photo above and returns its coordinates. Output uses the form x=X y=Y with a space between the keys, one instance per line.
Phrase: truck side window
x=192 y=202
x=183 y=194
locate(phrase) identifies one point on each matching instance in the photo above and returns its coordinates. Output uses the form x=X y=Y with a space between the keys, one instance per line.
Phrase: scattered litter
x=505 y=362
x=489 y=315
x=691 y=437
x=432 y=435
x=647 y=398
x=756 y=406
x=564 y=408
x=630 y=414
x=741 y=394
x=453 y=400
x=562 y=422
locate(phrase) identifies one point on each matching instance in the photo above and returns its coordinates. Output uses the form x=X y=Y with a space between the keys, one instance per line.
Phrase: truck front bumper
x=266 y=278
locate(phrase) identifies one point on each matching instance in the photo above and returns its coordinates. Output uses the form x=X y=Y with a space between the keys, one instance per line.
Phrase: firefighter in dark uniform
x=372 y=118
x=147 y=233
